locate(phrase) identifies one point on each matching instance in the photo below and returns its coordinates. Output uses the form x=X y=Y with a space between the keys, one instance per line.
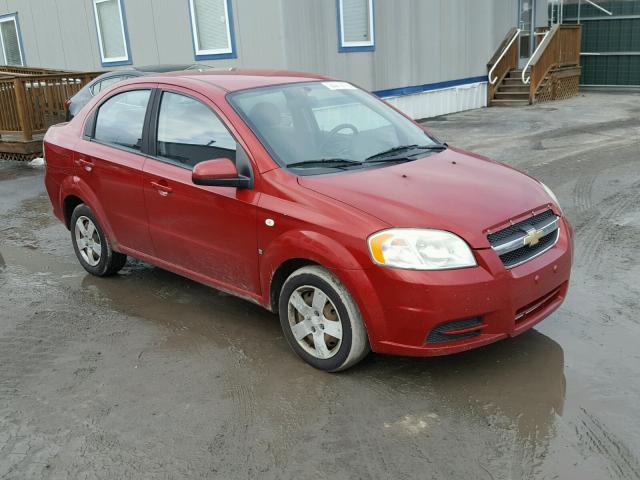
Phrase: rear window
x=120 y=119
x=107 y=82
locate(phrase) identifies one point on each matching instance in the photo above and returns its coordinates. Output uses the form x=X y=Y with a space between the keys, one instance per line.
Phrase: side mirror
x=220 y=172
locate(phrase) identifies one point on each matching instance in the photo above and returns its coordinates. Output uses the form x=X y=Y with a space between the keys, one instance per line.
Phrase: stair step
x=513 y=81
x=513 y=88
x=508 y=103
x=515 y=74
x=513 y=95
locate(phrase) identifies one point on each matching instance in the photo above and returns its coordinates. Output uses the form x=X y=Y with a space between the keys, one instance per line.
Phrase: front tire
x=91 y=245
x=321 y=321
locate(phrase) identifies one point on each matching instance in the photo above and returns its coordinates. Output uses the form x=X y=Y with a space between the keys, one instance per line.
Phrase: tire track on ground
x=582 y=193
x=595 y=437
x=592 y=236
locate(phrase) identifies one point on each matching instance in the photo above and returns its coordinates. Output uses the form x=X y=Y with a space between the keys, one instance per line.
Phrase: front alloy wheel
x=315 y=322
x=321 y=321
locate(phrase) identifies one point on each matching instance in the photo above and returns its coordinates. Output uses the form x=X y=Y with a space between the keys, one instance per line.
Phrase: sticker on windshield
x=338 y=86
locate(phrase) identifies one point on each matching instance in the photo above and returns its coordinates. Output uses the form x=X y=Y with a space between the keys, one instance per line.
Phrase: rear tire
x=321 y=321
x=91 y=244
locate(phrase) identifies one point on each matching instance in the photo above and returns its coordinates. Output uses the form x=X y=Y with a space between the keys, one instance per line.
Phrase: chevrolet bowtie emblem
x=532 y=237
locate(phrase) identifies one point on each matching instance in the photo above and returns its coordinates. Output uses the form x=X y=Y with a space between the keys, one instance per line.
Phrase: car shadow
x=520 y=379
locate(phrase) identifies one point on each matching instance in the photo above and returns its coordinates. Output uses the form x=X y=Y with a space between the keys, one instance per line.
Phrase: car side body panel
x=209 y=230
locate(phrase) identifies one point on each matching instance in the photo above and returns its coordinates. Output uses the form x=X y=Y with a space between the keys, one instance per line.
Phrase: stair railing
x=492 y=79
x=548 y=36
x=503 y=61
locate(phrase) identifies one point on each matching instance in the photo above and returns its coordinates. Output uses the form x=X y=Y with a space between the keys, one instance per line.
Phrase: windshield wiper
x=325 y=162
x=400 y=149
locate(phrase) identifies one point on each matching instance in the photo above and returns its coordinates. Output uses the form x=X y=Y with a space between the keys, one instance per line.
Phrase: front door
x=209 y=231
x=526 y=23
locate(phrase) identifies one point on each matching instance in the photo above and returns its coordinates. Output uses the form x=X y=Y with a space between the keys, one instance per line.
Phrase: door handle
x=163 y=190
x=86 y=164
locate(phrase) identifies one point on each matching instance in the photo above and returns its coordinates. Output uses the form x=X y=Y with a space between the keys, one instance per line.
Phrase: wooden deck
x=31 y=100
x=13 y=147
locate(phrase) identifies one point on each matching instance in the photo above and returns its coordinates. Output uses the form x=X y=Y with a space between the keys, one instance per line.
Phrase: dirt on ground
x=150 y=375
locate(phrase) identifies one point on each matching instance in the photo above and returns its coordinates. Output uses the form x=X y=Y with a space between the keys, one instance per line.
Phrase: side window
x=190 y=133
x=121 y=119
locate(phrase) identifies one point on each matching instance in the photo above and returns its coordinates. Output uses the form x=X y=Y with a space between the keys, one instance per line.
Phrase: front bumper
x=401 y=307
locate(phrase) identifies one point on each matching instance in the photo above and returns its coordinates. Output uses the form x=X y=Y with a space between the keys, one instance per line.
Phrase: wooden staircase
x=552 y=73
x=511 y=91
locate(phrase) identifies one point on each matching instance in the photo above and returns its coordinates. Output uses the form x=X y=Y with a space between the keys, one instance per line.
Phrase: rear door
x=210 y=231
x=110 y=162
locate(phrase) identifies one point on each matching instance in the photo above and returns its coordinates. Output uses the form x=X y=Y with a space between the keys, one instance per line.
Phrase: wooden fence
x=32 y=102
x=17 y=70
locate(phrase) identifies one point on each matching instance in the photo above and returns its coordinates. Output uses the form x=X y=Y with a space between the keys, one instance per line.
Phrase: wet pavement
x=149 y=375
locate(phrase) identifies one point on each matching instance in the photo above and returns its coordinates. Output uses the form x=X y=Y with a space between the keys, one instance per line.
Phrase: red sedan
x=316 y=200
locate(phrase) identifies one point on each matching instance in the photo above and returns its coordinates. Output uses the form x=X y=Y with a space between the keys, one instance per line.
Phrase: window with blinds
x=111 y=32
x=212 y=29
x=11 y=53
x=356 y=24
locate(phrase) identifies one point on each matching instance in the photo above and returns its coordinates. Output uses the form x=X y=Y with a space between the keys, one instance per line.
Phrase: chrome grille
x=527 y=239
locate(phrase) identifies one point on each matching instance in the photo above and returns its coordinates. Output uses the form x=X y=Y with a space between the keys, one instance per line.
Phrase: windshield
x=320 y=124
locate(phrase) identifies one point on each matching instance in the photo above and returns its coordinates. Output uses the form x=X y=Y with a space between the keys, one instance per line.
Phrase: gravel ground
x=149 y=375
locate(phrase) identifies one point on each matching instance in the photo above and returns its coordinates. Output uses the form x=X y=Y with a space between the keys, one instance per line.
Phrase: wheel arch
x=74 y=192
x=69 y=204
x=296 y=249
x=280 y=275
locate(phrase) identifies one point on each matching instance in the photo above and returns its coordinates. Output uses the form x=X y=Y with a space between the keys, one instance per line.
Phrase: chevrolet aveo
x=316 y=200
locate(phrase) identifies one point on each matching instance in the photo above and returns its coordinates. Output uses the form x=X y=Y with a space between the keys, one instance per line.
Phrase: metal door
x=526 y=23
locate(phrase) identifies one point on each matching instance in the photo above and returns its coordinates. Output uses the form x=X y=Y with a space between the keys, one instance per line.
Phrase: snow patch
x=37 y=162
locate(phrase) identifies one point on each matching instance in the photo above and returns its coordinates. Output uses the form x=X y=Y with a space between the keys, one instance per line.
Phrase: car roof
x=239 y=79
x=153 y=69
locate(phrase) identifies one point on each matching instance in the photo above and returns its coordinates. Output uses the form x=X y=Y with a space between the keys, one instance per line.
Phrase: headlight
x=552 y=195
x=420 y=249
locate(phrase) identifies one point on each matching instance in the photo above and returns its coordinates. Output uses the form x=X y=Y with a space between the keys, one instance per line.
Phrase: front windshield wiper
x=392 y=152
x=325 y=162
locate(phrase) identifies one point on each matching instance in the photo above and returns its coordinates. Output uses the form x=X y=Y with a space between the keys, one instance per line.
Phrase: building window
x=10 y=42
x=112 y=32
x=212 y=28
x=355 y=26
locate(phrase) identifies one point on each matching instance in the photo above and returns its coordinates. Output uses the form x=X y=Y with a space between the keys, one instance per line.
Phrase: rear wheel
x=91 y=245
x=321 y=321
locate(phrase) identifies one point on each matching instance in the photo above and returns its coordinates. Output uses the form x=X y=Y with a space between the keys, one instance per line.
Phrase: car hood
x=453 y=190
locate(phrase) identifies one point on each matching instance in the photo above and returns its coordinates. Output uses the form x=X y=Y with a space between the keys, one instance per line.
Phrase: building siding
x=417 y=42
